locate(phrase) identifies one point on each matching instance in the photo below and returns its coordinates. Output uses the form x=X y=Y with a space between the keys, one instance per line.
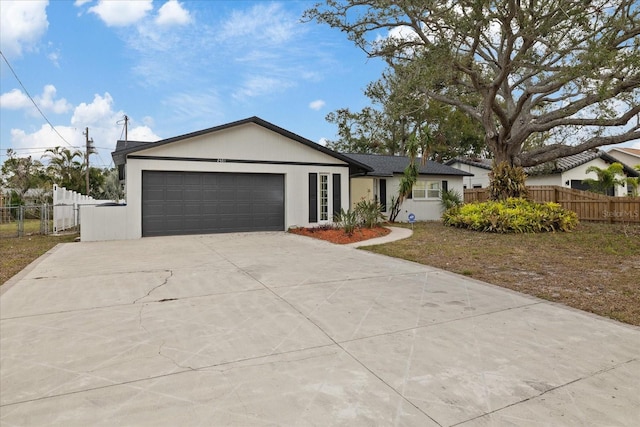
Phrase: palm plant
x=607 y=178
x=66 y=167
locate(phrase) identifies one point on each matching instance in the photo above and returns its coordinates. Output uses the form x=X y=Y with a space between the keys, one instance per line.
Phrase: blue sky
x=172 y=67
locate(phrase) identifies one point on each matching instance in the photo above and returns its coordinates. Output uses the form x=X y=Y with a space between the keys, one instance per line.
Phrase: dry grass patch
x=18 y=252
x=595 y=268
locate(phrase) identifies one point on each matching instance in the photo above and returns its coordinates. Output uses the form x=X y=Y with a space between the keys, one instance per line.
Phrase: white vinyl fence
x=66 y=207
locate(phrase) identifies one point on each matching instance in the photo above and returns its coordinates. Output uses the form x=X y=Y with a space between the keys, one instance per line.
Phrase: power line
x=32 y=100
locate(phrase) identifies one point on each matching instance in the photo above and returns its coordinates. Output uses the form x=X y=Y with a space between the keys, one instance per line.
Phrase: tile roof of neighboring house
x=479 y=163
x=125 y=148
x=560 y=165
x=634 y=151
x=389 y=165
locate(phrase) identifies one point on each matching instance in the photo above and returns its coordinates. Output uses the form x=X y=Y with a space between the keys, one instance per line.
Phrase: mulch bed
x=338 y=236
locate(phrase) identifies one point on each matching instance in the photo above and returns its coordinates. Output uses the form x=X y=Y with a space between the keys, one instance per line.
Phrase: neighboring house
x=567 y=172
x=249 y=175
x=383 y=182
x=627 y=156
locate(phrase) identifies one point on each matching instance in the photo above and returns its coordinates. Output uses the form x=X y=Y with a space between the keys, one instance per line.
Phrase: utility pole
x=89 y=150
x=126 y=130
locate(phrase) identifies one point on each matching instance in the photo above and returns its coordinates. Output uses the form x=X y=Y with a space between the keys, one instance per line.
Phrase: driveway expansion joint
x=554 y=388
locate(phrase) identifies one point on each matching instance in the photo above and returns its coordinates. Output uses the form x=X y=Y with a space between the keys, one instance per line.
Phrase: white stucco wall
x=480 y=175
x=555 y=179
x=580 y=173
x=248 y=143
x=424 y=209
x=626 y=158
x=100 y=223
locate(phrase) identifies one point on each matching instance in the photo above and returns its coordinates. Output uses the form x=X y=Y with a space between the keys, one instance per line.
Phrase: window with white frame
x=426 y=190
x=324 y=197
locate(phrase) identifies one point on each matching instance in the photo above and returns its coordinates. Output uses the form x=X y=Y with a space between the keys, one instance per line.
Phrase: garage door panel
x=208 y=202
x=192 y=194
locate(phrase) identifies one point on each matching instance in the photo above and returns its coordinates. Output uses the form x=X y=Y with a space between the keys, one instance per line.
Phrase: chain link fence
x=26 y=220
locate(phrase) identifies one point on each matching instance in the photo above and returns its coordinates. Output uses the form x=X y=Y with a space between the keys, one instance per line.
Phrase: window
x=324 y=197
x=426 y=190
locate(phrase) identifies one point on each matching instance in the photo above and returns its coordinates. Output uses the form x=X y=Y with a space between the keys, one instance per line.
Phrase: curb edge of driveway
x=20 y=275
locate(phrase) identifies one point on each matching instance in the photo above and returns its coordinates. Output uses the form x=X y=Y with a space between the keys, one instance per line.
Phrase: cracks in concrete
x=166 y=280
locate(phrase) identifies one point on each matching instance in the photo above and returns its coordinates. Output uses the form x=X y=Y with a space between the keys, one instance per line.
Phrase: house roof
x=560 y=165
x=389 y=165
x=479 y=163
x=626 y=150
x=632 y=151
x=124 y=148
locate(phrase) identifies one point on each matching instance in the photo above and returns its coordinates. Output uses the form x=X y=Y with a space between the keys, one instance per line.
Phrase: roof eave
x=120 y=156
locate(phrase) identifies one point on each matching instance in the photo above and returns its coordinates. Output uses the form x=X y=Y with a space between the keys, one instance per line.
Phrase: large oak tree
x=568 y=69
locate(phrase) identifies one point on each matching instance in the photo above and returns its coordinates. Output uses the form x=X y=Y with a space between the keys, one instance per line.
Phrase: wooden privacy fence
x=589 y=206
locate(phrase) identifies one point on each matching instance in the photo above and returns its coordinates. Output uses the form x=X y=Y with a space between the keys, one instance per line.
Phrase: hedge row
x=514 y=215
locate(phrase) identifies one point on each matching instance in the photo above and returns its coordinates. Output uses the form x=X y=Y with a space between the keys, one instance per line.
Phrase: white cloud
x=54 y=57
x=17 y=100
x=121 y=13
x=261 y=85
x=323 y=141
x=264 y=23
x=46 y=101
x=172 y=13
x=317 y=104
x=33 y=143
x=22 y=24
x=200 y=108
x=79 y=3
x=96 y=112
x=142 y=133
x=102 y=121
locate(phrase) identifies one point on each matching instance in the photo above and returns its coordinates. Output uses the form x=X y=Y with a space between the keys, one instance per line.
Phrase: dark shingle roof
x=390 y=165
x=123 y=149
x=560 y=165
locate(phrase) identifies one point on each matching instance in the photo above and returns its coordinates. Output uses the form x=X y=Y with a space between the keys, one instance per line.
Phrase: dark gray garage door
x=205 y=202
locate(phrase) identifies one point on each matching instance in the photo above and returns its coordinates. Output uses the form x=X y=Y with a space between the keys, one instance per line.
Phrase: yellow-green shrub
x=513 y=215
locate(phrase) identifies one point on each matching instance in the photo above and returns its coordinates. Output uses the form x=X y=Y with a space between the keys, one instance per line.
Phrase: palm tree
x=633 y=183
x=607 y=178
x=65 y=168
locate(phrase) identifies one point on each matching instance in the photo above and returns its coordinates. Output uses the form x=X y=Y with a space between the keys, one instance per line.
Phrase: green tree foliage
x=607 y=178
x=396 y=115
x=112 y=187
x=20 y=174
x=634 y=183
x=518 y=68
x=66 y=168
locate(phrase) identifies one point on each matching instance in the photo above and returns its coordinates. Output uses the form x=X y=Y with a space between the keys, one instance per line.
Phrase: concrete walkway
x=278 y=329
x=397 y=233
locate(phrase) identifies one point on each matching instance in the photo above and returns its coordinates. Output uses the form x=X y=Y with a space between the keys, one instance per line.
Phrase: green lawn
x=18 y=252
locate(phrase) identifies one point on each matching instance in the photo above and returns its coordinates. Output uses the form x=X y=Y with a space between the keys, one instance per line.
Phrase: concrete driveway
x=277 y=329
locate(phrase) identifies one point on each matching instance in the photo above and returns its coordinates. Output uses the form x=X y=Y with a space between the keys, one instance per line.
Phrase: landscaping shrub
x=506 y=181
x=369 y=212
x=347 y=220
x=450 y=199
x=513 y=215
